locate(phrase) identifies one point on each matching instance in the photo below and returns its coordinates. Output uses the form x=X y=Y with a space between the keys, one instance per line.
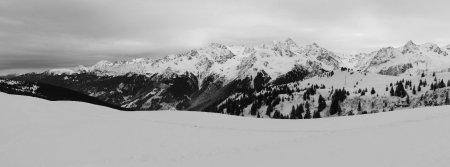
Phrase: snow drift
x=36 y=132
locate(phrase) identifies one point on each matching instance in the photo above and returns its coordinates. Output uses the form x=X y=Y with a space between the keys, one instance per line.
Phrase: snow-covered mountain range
x=276 y=59
x=230 y=62
x=411 y=59
x=270 y=80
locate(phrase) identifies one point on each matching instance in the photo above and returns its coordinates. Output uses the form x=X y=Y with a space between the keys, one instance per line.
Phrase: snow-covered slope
x=35 y=132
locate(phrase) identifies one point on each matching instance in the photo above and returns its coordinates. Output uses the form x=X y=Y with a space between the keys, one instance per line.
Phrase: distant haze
x=64 y=33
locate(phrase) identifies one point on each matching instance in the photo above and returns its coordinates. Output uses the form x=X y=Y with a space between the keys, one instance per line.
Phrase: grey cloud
x=55 y=33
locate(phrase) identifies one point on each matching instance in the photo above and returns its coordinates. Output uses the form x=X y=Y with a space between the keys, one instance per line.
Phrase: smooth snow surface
x=35 y=132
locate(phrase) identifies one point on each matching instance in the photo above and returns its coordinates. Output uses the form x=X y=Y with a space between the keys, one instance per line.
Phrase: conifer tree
x=254 y=108
x=316 y=115
x=322 y=103
x=372 y=91
x=408 y=102
x=293 y=113
x=447 y=100
x=441 y=84
x=400 y=90
x=307 y=111
x=334 y=107
x=299 y=112
x=269 y=110
x=359 y=106
x=307 y=114
x=277 y=115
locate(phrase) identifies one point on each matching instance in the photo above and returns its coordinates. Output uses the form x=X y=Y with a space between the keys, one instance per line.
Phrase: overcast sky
x=63 y=33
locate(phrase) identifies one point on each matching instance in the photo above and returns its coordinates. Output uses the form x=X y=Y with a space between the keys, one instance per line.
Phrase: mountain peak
x=410 y=43
x=217 y=45
x=290 y=42
x=81 y=68
x=102 y=63
x=287 y=43
x=430 y=46
x=313 y=45
x=410 y=47
x=59 y=71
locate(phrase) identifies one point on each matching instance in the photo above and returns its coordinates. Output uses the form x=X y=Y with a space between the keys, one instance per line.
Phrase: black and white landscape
x=278 y=80
x=217 y=83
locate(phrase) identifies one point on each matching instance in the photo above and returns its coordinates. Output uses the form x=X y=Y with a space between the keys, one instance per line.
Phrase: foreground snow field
x=35 y=132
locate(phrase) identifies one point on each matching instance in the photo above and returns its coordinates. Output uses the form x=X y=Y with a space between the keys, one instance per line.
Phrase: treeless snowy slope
x=35 y=132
